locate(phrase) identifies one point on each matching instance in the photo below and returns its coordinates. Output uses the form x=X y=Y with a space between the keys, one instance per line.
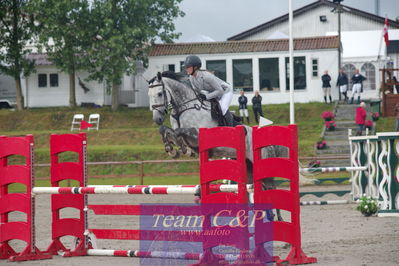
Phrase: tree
x=125 y=29
x=17 y=28
x=65 y=30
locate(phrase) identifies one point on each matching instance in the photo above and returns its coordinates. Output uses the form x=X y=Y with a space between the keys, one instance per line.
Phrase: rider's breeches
x=356 y=89
x=225 y=101
x=327 y=91
x=244 y=112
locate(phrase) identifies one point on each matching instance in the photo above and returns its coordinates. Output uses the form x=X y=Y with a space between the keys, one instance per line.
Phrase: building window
x=349 y=70
x=54 y=80
x=269 y=74
x=242 y=75
x=315 y=68
x=217 y=67
x=42 y=80
x=182 y=66
x=299 y=73
x=170 y=67
x=368 y=71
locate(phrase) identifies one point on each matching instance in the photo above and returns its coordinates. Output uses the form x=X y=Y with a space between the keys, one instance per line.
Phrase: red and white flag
x=84 y=125
x=385 y=32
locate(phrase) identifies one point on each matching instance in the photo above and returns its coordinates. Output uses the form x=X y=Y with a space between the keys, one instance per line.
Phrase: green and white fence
x=380 y=154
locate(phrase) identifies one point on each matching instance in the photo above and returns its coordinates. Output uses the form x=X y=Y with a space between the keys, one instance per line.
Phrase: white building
x=255 y=59
x=49 y=87
x=266 y=70
x=257 y=65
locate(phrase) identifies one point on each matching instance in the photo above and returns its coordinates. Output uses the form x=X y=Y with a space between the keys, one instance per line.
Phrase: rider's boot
x=230 y=122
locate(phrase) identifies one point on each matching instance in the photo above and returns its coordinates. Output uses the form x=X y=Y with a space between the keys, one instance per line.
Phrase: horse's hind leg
x=269 y=184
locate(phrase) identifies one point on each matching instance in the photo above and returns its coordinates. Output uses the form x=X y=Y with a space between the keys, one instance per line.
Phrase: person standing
x=326 y=86
x=357 y=81
x=396 y=86
x=257 y=106
x=242 y=101
x=342 y=84
x=397 y=116
x=360 y=118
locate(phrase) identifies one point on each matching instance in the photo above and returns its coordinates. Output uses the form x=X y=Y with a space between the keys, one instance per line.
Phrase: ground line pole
x=291 y=63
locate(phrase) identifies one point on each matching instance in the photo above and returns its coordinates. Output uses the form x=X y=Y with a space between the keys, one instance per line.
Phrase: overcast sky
x=220 y=19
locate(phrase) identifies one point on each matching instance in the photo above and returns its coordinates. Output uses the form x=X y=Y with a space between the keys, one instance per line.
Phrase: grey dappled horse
x=188 y=113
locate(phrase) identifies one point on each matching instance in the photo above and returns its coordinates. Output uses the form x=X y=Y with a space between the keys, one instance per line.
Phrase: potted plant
x=330 y=125
x=368 y=124
x=321 y=145
x=367 y=205
x=327 y=115
x=314 y=163
x=375 y=116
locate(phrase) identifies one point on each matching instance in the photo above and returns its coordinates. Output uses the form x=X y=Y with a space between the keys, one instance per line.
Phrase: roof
x=40 y=59
x=393 y=47
x=307 y=8
x=311 y=43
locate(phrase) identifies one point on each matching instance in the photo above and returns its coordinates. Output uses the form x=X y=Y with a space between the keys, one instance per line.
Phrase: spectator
x=257 y=106
x=360 y=118
x=242 y=101
x=326 y=86
x=396 y=85
x=397 y=116
x=357 y=81
x=342 y=84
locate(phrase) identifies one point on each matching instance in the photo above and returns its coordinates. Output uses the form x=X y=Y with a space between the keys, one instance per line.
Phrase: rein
x=157 y=106
x=177 y=108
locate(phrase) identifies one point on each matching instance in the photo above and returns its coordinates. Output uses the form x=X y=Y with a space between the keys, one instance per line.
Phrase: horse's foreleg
x=169 y=139
x=187 y=140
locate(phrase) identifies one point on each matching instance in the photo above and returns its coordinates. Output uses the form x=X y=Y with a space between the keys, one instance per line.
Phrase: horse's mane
x=177 y=76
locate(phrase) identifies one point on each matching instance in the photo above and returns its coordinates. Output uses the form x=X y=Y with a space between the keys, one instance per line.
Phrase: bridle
x=165 y=103
x=177 y=108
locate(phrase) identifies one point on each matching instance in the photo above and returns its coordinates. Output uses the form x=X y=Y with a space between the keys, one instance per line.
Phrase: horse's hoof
x=189 y=151
x=174 y=154
x=168 y=148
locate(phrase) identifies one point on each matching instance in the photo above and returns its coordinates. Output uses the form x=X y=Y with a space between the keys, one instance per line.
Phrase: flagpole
x=291 y=63
x=379 y=47
x=384 y=32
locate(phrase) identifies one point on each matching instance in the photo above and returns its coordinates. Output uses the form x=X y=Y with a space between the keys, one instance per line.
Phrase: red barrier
x=210 y=171
x=280 y=199
x=213 y=170
x=63 y=171
x=22 y=202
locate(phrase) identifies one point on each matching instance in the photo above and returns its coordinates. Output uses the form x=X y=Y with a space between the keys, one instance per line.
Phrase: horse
x=169 y=90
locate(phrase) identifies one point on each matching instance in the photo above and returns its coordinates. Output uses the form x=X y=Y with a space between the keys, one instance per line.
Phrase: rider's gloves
x=202 y=96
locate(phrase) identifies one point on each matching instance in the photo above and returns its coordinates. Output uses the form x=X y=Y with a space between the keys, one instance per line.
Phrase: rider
x=210 y=86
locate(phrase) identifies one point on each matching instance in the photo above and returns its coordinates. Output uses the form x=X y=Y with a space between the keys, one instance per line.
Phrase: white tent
x=364 y=44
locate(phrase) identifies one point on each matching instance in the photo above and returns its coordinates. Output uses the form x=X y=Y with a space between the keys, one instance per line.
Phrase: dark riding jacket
x=242 y=101
x=342 y=79
x=257 y=102
x=326 y=81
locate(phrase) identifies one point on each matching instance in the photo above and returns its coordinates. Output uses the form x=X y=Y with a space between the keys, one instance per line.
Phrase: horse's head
x=158 y=99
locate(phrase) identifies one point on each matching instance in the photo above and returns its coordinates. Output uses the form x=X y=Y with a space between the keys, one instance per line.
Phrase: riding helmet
x=192 y=61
